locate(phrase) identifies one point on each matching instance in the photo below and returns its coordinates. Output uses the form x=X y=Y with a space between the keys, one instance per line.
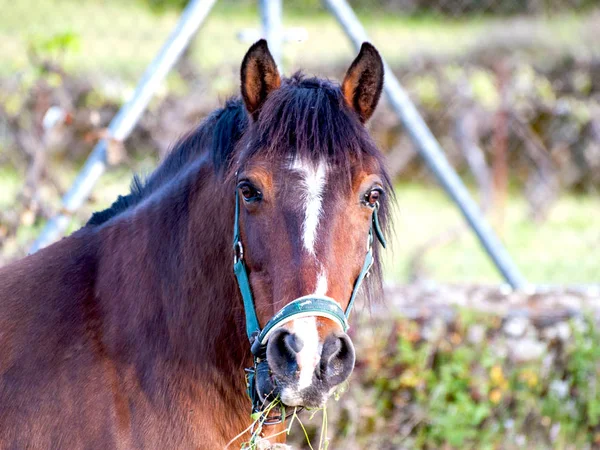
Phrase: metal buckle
x=238 y=252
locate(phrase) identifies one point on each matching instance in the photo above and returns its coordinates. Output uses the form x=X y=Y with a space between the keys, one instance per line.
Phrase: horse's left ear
x=363 y=82
x=259 y=76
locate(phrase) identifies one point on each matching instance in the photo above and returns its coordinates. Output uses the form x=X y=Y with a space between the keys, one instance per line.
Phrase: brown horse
x=130 y=333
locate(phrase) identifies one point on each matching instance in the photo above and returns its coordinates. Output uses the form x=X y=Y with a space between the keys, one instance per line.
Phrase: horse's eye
x=249 y=192
x=372 y=197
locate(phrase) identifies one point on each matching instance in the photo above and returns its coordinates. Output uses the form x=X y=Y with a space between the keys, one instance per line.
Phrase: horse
x=219 y=286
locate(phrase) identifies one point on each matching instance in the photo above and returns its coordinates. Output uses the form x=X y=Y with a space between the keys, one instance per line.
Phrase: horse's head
x=309 y=182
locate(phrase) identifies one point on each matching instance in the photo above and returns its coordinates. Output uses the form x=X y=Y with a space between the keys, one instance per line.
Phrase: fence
x=511 y=95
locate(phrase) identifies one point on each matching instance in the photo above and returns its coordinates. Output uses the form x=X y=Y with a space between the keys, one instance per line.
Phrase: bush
x=462 y=385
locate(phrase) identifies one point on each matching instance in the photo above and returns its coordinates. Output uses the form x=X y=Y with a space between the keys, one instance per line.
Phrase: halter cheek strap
x=239 y=268
x=307 y=306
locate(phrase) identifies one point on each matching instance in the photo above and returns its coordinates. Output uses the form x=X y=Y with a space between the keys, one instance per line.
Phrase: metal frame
x=271 y=11
x=270 y=15
x=127 y=118
x=430 y=150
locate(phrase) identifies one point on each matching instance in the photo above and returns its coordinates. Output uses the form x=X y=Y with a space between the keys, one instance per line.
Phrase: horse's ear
x=260 y=76
x=364 y=81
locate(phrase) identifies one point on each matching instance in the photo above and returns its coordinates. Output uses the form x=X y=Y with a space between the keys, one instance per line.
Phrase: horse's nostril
x=282 y=350
x=294 y=343
x=337 y=359
x=287 y=344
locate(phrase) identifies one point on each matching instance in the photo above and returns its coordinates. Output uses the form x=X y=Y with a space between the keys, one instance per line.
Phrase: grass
x=260 y=419
x=120 y=38
x=559 y=250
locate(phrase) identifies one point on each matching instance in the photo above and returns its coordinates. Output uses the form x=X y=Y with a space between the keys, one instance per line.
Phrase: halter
x=307 y=306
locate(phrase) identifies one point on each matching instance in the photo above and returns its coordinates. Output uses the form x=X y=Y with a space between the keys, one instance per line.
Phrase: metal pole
x=270 y=14
x=192 y=17
x=431 y=151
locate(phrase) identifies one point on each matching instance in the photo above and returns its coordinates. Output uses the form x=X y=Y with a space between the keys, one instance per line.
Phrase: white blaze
x=306 y=329
x=321 y=287
x=313 y=184
x=314 y=177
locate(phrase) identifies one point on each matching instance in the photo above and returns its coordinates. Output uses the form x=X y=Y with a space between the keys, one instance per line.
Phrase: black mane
x=219 y=132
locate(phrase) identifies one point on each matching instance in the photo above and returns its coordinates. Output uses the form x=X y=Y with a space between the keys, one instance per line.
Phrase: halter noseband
x=307 y=306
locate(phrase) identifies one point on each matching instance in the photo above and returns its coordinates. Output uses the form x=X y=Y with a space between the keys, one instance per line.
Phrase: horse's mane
x=305 y=117
x=219 y=132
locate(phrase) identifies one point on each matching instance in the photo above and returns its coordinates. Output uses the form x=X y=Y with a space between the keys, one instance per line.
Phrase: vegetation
x=463 y=7
x=554 y=251
x=455 y=386
x=121 y=38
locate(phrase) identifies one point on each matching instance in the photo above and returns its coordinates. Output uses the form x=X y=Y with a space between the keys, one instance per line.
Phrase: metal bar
x=120 y=127
x=270 y=14
x=431 y=151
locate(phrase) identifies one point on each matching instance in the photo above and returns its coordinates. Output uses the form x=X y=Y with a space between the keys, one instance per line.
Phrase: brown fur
x=102 y=336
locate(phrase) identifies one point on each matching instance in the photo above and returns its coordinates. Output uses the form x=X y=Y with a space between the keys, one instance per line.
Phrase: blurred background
x=510 y=88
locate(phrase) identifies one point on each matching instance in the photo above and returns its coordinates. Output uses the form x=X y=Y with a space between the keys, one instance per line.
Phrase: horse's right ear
x=260 y=77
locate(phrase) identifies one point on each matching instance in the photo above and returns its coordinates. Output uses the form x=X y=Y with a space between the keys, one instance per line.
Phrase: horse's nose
x=327 y=365
x=337 y=359
x=282 y=351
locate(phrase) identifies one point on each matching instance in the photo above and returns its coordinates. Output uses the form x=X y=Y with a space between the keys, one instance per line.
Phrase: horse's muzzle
x=306 y=373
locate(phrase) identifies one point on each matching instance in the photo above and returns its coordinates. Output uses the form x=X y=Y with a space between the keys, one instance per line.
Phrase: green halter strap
x=239 y=268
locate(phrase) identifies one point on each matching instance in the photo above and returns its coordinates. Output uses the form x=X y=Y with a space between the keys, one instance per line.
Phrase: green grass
x=117 y=37
x=563 y=249
x=10 y=183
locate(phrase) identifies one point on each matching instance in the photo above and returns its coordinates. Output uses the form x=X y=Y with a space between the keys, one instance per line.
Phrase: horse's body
x=130 y=332
x=92 y=342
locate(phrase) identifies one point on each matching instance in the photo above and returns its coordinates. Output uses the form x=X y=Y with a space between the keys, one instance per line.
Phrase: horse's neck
x=167 y=286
